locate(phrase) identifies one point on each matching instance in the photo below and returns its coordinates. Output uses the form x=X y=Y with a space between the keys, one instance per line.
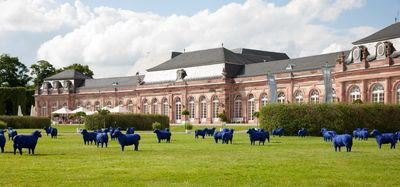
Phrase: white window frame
x=250 y=107
x=314 y=97
x=378 y=94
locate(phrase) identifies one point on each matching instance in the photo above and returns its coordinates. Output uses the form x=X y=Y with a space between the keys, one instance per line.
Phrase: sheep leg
x=137 y=146
x=20 y=150
x=203 y=136
x=159 y=140
x=122 y=147
x=33 y=151
x=106 y=144
x=2 y=149
x=29 y=150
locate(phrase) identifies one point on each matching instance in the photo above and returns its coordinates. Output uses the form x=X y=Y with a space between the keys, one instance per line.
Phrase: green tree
x=79 y=67
x=42 y=69
x=13 y=73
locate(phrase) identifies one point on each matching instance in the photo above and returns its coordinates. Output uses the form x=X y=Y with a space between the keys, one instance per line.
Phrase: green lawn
x=286 y=161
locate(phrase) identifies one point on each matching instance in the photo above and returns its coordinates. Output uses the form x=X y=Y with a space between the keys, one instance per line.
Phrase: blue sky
x=120 y=37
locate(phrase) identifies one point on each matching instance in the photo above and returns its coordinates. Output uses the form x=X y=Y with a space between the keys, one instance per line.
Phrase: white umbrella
x=20 y=111
x=80 y=109
x=106 y=108
x=62 y=110
x=90 y=113
x=119 y=109
x=33 y=111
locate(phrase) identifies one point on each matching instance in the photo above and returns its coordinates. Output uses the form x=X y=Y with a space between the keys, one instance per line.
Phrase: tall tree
x=12 y=72
x=82 y=68
x=42 y=69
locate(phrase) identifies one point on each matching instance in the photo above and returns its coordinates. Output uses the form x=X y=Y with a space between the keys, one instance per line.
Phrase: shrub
x=188 y=126
x=3 y=125
x=343 y=118
x=26 y=122
x=222 y=116
x=156 y=125
x=139 y=121
x=185 y=112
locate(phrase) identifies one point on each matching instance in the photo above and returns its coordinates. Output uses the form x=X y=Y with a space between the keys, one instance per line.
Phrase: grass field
x=286 y=161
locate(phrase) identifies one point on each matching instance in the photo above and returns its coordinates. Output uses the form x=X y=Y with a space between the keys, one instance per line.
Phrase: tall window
x=97 y=105
x=165 y=106
x=145 y=107
x=54 y=107
x=44 y=109
x=355 y=93
x=130 y=105
x=298 y=96
x=237 y=107
x=89 y=106
x=398 y=94
x=178 y=109
x=378 y=94
x=314 y=97
x=215 y=105
x=154 y=106
x=108 y=104
x=191 y=108
x=203 y=107
x=281 y=98
x=264 y=100
x=250 y=107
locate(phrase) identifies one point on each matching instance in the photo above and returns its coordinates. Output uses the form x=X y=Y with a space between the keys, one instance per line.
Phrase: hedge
x=139 y=121
x=26 y=122
x=343 y=118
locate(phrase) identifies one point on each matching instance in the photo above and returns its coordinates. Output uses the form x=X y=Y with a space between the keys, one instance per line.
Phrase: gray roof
x=299 y=64
x=260 y=56
x=213 y=56
x=390 y=32
x=113 y=82
x=68 y=75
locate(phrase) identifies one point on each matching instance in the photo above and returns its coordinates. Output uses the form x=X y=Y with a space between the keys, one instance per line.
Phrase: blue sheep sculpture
x=101 y=138
x=218 y=135
x=258 y=135
x=127 y=139
x=343 y=140
x=88 y=137
x=327 y=135
x=26 y=141
x=385 y=138
x=227 y=136
x=278 y=132
x=200 y=132
x=302 y=132
x=130 y=130
x=2 y=140
x=163 y=135
x=11 y=133
x=112 y=130
x=210 y=132
x=53 y=132
x=363 y=134
x=47 y=130
x=398 y=135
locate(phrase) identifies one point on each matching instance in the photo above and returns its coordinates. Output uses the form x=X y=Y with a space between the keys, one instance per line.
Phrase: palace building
x=237 y=81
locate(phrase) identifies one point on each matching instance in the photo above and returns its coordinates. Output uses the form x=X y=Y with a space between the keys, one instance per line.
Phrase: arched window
x=108 y=104
x=203 y=107
x=130 y=105
x=145 y=107
x=178 y=110
x=264 y=100
x=54 y=107
x=250 y=107
x=88 y=106
x=378 y=93
x=398 y=94
x=97 y=105
x=298 y=96
x=314 y=97
x=165 y=106
x=237 y=107
x=355 y=93
x=191 y=108
x=215 y=105
x=281 y=98
x=44 y=109
x=154 y=106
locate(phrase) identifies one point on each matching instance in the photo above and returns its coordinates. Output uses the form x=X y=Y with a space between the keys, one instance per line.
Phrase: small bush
x=156 y=125
x=3 y=125
x=139 y=121
x=222 y=116
x=26 y=122
x=188 y=126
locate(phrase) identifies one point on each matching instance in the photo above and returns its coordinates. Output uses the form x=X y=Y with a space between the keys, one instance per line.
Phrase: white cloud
x=117 y=42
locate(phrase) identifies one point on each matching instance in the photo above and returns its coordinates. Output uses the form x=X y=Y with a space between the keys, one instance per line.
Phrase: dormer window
x=289 y=66
x=356 y=54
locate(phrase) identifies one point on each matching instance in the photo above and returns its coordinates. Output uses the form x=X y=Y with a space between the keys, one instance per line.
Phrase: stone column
x=387 y=91
x=364 y=91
